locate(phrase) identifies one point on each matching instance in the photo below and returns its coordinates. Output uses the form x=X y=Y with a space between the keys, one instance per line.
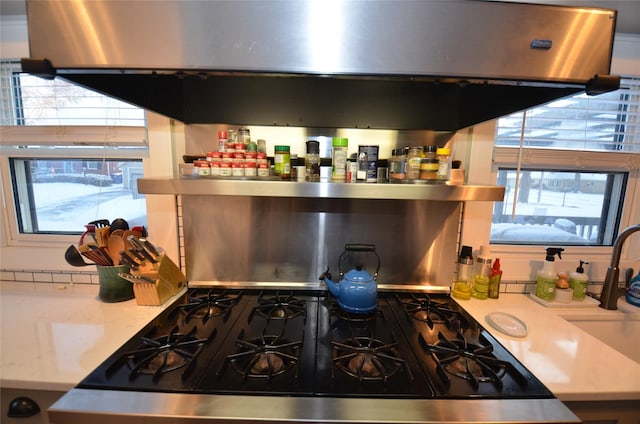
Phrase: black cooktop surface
x=300 y=343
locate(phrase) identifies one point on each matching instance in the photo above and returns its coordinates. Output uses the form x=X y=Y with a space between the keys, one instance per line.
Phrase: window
x=72 y=156
x=55 y=195
x=35 y=101
x=566 y=169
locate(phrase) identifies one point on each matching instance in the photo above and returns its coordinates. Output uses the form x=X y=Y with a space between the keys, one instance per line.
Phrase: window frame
x=69 y=145
x=521 y=262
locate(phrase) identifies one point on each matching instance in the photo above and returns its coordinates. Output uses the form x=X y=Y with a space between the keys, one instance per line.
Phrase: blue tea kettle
x=357 y=291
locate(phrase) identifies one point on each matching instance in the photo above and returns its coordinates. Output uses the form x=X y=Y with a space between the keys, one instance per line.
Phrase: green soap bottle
x=547 y=278
x=578 y=282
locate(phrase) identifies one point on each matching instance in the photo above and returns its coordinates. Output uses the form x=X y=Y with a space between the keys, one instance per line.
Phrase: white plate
x=507 y=324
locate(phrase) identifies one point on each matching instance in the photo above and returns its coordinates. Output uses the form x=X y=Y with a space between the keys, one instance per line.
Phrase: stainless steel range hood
x=439 y=65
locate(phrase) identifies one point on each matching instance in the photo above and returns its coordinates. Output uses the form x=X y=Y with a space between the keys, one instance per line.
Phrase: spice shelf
x=277 y=188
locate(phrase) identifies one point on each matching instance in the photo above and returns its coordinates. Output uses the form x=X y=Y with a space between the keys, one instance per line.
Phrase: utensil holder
x=113 y=288
x=168 y=281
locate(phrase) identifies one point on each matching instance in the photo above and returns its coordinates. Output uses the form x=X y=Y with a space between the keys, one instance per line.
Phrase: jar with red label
x=215 y=168
x=225 y=169
x=263 y=169
x=203 y=167
x=237 y=168
x=250 y=164
x=223 y=137
x=227 y=157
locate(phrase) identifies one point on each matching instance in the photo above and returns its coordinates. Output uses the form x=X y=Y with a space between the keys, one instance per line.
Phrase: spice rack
x=270 y=188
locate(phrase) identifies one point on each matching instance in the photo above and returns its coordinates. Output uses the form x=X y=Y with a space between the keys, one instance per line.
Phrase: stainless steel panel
x=438 y=38
x=283 y=239
x=106 y=407
x=408 y=65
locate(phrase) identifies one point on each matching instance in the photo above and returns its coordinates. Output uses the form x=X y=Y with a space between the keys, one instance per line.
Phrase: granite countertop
x=54 y=335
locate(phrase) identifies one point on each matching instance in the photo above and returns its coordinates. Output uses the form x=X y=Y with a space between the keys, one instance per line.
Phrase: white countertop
x=54 y=335
x=574 y=365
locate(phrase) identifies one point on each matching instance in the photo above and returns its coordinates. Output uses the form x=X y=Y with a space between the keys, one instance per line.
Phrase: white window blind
x=608 y=122
x=29 y=101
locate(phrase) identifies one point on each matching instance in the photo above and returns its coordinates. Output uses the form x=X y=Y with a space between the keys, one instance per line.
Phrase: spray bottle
x=547 y=277
x=578 y=282
x=494 y=280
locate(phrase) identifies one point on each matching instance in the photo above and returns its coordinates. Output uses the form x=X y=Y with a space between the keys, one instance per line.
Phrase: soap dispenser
x=578 y=282
x=547 y=277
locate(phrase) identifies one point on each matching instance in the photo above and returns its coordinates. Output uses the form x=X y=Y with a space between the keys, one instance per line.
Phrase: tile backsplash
x=54 y=277
x=88 y=277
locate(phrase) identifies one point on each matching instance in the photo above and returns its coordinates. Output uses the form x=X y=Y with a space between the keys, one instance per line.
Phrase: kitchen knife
x=150 y=247
x=136 y=279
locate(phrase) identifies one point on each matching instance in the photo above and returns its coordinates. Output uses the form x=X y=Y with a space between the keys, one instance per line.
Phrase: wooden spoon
x=115 y=245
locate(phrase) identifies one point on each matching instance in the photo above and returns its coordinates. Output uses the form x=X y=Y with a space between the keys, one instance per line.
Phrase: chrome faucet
x=610 y=292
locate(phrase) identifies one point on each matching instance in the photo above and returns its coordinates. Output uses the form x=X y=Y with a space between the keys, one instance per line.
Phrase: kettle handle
x=358 y=247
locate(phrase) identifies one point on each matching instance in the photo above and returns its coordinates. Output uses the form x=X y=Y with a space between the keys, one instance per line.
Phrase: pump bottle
x=578 y=282
x=546 y=279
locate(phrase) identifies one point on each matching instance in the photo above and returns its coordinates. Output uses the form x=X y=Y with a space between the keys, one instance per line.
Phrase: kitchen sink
x=619 y=329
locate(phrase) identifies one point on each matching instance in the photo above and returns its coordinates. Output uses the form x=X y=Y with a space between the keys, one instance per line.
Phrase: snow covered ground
x=69 y=206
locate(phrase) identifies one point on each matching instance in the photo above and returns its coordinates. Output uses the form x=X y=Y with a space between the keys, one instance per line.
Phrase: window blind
x=32 y=101
x=609 y=122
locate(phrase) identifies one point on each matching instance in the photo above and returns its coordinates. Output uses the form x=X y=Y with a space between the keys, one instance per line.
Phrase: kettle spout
x=333 y=287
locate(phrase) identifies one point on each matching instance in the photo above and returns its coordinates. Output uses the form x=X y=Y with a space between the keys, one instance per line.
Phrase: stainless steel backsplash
x=271 y=239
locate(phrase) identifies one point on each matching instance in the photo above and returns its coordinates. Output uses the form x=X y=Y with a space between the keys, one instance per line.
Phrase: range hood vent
x=410 y=65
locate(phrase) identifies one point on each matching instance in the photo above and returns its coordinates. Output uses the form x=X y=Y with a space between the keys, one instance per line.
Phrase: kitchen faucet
x=610 y=291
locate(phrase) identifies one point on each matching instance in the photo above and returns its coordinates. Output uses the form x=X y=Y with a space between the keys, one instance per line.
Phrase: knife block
x=168 y=281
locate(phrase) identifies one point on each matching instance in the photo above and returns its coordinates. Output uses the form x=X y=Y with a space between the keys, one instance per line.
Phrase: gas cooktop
x=300 y=343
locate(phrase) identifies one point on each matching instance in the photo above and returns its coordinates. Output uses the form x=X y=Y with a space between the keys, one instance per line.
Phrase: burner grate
x=367 y=358
x=211 y=304
x=264 y=357
x=473 y=362
x=164 y=354
x=431 y=310
x=279 y=306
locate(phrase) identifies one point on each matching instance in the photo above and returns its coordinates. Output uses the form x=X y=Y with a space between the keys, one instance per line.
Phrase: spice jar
x=312 y=161
x=430 y=151
x=429 y=169
x=339 y=148
x=413 y=163
x=444 y=163
x=397 y=165
x=282 y=162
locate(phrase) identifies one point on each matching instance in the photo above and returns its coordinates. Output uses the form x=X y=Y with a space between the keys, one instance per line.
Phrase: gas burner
x=264 y=357
x=336 y=311
x=164 y=354
x=280 y=306
x=470 y=361
x=367 y=358
x=431 y=310
x=212 y=304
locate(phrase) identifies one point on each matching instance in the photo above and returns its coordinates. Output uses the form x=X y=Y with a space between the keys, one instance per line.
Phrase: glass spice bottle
x=282 y=162
x=413 y=163
x=339 y=148
x=444 y=163
x=312 y=161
